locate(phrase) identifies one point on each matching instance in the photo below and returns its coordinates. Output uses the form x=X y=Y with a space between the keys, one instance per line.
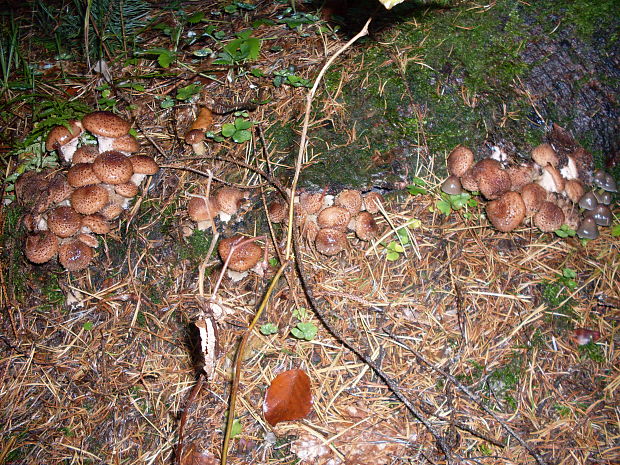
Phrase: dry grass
x=105 y=381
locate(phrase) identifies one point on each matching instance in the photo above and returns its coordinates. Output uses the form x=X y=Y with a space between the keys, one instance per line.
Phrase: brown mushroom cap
x=60 y=135
x=549 y=217
x=277 y=211
x=310 y=203
x=128 y=189
x=111 y=211
x=229 y=199
x=194 y=136
x=350 y=200
x=143 y=164
x=106 y=124
x=64 y=221
x=82 y=174
x=85 y=154
x=520 y=176
x=204 y=120
x=460 y=160
x=330 y=241
x=372 y=200
x=126 y=144
x=365 y=226
x=75 y=255
x=95 y=223
x=89 y=199
x=88 y=239
x=244 y=257
x=493 y=181
x=58 y=190
x=507 y=212
x=544 y=155
x=198 y=211
x=452 y=186
x=574 y=190
x=533 y=196
x=113 y=167
x=468 y=182
x=29 y=186
x=334 y=218
x=41 y=247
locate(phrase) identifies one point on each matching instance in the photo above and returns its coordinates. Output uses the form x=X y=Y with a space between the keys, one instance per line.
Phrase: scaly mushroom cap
x=468 y=182
x=89 y=199
x=492 y=180
x=277 y=211
x=365 y=226
x=128 y=189
x=460 y=160
x=143 y=164
x=533 y=196
x=82 y=174
x=549 y=217
x=309 y=229
x=372 y=200
x=310 y=203
x=75 y=255
x=106 y=124
x=113 y=167
x=41 y=247
x=350 y=200
x=330 y=241
x=126 y=144
x=507 y=212
x=60 y=135
x=95 y=223
x=520 y=176
x=85 y=154
x=28 y=187
x=334 y=218
x=574 y=190
x=88 y=239
x=229 y=199
x=111 y=211
x=198 y=211
x=244 y=257
x=452 y=186
x=544 y=155
x=58 y=190
x=64 y=221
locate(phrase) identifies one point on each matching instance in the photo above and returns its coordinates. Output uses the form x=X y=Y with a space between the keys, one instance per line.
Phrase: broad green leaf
x=228 y=129
x=268 y=329
x=444 y=207
x=242 y=136
x=241 y=123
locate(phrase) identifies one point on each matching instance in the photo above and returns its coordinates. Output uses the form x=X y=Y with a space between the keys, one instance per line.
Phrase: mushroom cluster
x=550 y=190
x=324 y=220
x=224 y=202
x=66 y=209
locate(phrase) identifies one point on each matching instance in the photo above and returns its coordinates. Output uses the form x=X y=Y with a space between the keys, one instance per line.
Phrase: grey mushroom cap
x=588 y=201
x=603 y=197
x=601 y=215
x=587 y=229
x=609 y=183
x=452 y=186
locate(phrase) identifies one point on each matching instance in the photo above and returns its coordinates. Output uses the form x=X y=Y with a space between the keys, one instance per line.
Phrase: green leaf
x=257 y=72
x=236 y=429
x=268 y=329
x=241 y=123
x=88 y=326
x=444 y=207
x=187 y=92
x=196 y=17
x=230 y=9
x=300 y=313
x=228 y=129
x=615 y=231
x=459 y=201
x=569 y=273
x=392 y=256
x=416 y=190
x=403 y=235
x=242 y=136
x=165 y=59
x=305 y=331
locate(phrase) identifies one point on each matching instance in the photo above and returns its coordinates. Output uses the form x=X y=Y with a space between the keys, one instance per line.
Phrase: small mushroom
x=549 y=217
x=113 y=167
x=95 y=223
x=366 y=227
x=85 y=154
x=521 y=175
x=452 y=185
x=75 y=255
x=143 y=166
x=551 y=179
x=460 y=160
x=507 y=212
x=89 y=199
x=88 y=239
x=111 y=211
x=127 y=189
x=544 y=155
x=608 y=183
x=244 y=257
x=601 y=214
x=583 y=336
x=310 y=203
x=330 y=241
x=126 y=144
x=64 y=221
x=587 y=229
x=202 y=211
x=41 y=247
x=350 y=200
x=468 y=181
x=574 y=190
x=64 y=140
x=588 y=201
x=334 y=217
x=195 y=138
x=492 y=180
x=106 y=126
x=371 y=201
x=229 y=200
x=277 y=211
x=603 y=197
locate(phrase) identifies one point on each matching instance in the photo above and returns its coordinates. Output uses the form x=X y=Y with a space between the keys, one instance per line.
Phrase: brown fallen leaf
x=288 y=397
x=194 y=456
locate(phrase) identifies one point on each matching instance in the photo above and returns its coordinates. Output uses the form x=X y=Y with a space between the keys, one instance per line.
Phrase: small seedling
x=287 y=76
x=165 y=57
x=306 y=331
x=297 y=19
x=393 y=249
x=236 y=429
x=417 y=187
x=568 y=278
x=565 y=231
x=268 y=329
x=301 y=313
x=239 y=131
x=88 y=326
x=240 y=50
x=236 y=6
x=187 y=92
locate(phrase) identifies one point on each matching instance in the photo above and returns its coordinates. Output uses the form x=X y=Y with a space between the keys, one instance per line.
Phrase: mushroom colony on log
x=66 y=209
x=550 y=189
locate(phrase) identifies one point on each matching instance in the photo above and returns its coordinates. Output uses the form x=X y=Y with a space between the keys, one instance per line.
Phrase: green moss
x=196 y=246
x=560 y=307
